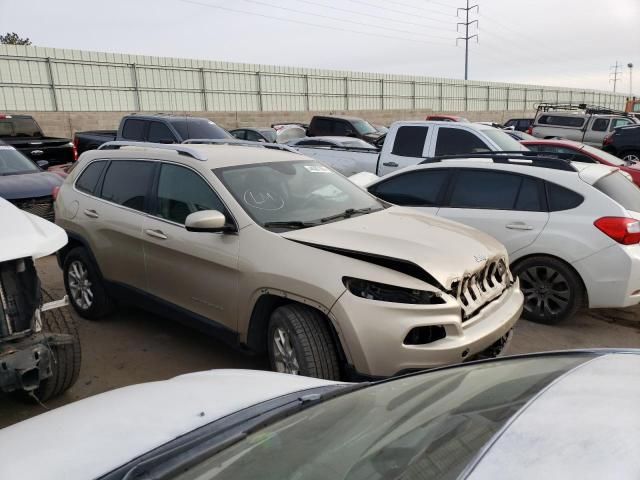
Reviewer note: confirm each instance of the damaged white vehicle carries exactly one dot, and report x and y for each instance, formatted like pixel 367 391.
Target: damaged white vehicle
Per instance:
pixel 39 347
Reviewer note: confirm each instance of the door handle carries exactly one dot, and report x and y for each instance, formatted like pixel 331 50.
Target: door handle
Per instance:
pixel 156 234
pixel 91 213
pixel 390 164
pixel 519 226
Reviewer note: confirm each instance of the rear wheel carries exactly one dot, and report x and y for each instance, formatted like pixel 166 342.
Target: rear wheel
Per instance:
pixel 300 343
pixel 552 290
pixel 66 359
pixel 631 156
pixel 84 286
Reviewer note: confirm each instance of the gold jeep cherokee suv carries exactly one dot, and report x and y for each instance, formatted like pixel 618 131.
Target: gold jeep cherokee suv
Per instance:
pixel 278 253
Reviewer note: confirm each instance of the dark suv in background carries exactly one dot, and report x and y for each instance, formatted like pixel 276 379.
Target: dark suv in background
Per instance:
pixel 334 126
pixel 519 124
pixel 624 142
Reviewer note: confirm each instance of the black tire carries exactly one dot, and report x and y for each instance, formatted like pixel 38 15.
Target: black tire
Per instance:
pixel 66 359
pixel 309 336
pixel 101 304
pixel 553 291
pixel 631 153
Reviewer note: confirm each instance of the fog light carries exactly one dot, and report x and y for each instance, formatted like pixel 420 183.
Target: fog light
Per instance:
pixel 424 335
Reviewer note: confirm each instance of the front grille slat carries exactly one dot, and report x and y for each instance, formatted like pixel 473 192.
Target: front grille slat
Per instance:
pixel 41 207
pixel 476 290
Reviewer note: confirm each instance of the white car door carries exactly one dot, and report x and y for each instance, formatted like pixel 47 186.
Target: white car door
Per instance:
pixel 507 206
pixel 410 146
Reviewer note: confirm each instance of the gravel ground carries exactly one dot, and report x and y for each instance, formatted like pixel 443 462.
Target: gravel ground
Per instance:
pixel 133 346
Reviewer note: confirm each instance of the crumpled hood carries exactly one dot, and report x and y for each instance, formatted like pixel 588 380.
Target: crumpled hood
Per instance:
pixel 29 185
pixel 25 235
pixel 446 250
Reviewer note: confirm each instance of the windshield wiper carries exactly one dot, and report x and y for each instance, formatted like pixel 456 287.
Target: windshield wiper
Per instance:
pixel 290 224
pixel 348 213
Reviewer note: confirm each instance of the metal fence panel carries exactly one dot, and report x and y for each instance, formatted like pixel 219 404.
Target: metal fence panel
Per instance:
pixel 47 79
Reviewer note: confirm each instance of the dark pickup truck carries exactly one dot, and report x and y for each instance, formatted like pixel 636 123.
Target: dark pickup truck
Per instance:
pixel 24 134
pixel 332 126
pixel 152 128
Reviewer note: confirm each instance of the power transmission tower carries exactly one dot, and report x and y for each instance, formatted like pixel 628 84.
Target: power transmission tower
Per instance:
pixel 613 76
pixel 466 37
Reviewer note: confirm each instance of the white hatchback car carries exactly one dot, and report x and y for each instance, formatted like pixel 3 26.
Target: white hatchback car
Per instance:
pixel 571 229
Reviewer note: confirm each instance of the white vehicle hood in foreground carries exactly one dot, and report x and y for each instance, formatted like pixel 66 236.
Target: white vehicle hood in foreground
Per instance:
pixel 446 250
pixel 25 235
pixel 92 437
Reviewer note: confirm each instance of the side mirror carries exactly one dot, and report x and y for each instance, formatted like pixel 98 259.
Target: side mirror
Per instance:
pixel 43 164
pixel 211 221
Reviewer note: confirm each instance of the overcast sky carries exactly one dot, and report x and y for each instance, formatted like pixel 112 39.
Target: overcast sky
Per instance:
pixel 552 42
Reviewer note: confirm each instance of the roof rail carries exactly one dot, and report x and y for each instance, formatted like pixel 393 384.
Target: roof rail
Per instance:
pixel 180 149
pixel 512 158
pixel 238 142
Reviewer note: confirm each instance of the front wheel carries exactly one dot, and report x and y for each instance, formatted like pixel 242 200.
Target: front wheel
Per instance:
pixel 300 343
pixel 66 358
pixel 552 290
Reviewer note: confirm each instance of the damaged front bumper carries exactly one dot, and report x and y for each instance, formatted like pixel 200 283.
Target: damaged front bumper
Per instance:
pixel 27 360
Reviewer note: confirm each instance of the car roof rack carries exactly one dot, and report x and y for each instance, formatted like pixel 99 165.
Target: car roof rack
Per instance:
pixel 180 149
pixel 519 157
pixel 588 109
pixel 238 142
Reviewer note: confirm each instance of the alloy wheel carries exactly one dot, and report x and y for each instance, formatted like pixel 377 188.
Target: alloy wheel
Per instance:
pixel 631 158
pixel 546 291
pixel 80 285
pixel 284 355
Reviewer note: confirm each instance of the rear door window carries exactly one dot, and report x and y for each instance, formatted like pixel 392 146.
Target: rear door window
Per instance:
pixel 485 189
pixel 454 141
pixel 616 186
pixel 89 177
pixel 600 125
pixel 561 198
pixel 417 188
pixel 133 129
pixel 322 127
pixel 410 141
pixel 127 183
pixel 160 133
pixel 341 129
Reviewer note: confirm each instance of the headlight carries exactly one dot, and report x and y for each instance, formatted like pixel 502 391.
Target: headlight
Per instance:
pixel 390 293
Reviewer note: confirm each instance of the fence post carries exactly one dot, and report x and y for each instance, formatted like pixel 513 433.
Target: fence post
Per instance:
pixel 488 98
pixel 259 87
pixel 508 91
pixel 306 92
pixel 52 84
pixel 204 90
pixel 413 95
pixel 441 96
pixel 466 97
pixel 346 93
pixel 136 89
pixel 526 99
pixel 382 94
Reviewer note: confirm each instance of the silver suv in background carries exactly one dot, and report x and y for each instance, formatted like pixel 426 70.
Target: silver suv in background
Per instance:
pixel 278 253
pixel 581 123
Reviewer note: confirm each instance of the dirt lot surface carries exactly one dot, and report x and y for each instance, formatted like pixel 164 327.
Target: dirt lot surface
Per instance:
pixel 133 346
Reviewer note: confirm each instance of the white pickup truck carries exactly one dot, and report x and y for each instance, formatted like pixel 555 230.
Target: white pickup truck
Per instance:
pixel 408 143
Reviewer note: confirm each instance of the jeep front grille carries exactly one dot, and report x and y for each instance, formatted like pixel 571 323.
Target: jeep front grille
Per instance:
pixel 478 289
pixel 41 206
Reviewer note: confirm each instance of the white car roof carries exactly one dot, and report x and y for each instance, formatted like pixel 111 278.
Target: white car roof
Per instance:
pixel 25 235
pixel 92 437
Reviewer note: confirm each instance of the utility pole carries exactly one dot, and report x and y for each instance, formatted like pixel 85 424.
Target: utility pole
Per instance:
pixel 630 65
pixel 614 74
pixel 466 37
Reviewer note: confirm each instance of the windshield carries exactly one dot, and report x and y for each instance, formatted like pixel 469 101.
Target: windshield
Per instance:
pixel 504 141
pixel 300 191
pixel 363 127
pixel 618 187
pixel 19 127
pixel 195 128
pixel 607 157
pixel 428 426
pixel 13 162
